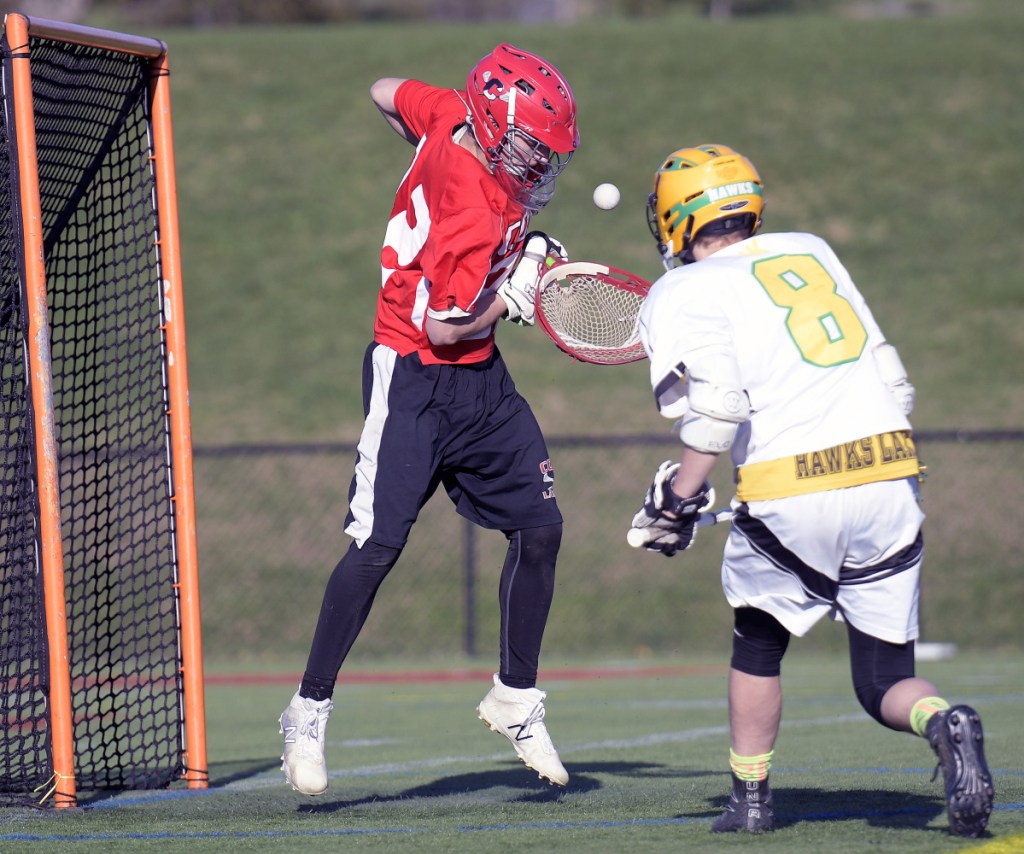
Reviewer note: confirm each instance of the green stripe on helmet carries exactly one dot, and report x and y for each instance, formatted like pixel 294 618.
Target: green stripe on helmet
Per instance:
pixel 680 211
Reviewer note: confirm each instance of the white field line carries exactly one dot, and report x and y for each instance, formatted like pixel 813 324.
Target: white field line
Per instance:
pixel 388 768
pixel 271 779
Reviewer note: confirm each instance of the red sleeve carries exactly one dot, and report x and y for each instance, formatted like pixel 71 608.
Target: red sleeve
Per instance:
pixel 457 260
pixel 416 102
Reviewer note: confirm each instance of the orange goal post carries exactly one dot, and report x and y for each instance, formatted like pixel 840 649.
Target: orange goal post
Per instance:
pixel 100 639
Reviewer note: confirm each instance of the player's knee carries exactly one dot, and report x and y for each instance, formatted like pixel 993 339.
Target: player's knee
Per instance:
pixel 876 666
pixel 759 642
pixel 367 564
pixel 541 543
pixel 532 553
pixel 870 697
pixel 374 554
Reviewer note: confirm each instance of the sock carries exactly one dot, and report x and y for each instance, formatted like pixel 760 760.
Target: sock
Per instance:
pixel 316 688
pixel 750 768
pixel 514 682
pixel 923 711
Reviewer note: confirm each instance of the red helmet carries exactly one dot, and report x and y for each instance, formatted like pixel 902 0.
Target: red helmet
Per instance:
pixel 523 116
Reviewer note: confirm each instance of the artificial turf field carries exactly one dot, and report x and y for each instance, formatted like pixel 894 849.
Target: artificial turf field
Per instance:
pixel 898 140
pixel 645 744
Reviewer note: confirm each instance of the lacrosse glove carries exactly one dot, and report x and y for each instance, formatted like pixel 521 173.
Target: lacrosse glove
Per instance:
pixel 519 290
pixel 668 522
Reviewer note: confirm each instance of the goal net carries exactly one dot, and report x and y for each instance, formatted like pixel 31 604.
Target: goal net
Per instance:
pixel 99 604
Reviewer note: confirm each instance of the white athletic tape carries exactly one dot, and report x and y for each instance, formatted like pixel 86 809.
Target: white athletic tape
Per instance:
pixel 639 537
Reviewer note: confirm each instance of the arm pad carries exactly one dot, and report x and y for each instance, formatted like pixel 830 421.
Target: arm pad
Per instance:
pixel 714 416
pixel 894 375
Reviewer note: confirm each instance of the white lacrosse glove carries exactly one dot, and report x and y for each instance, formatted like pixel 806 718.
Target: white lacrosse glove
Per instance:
pixel 667 523
pixel 519 290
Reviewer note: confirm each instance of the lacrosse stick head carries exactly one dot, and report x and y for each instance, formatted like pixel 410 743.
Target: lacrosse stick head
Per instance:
pixel 592 311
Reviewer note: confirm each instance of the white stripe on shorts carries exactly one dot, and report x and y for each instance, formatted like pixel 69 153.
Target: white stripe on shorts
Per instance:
pixel 361 506
pixel 857 528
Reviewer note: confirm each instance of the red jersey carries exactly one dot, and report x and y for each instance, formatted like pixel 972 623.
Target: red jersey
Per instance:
pixel 453 236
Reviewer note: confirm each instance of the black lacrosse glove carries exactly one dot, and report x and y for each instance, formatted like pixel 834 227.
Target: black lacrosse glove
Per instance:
pixel 667 522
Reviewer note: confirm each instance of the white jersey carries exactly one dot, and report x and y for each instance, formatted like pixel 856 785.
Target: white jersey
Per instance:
pixel 782 313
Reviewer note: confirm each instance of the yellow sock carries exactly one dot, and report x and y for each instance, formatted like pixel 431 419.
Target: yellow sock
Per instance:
pixel 750 768
pixel 923 711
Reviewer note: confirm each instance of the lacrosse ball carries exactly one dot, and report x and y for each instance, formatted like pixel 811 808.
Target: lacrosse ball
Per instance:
pixel 606 196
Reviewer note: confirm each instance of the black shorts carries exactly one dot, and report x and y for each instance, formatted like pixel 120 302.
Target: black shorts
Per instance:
pixel 463 426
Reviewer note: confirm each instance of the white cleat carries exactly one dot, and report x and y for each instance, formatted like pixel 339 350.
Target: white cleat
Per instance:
pixel 518 714
pixel 304 727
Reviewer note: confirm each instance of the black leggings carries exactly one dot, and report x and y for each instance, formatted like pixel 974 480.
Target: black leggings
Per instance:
pixel 525 592
pixel 876 665
pixel 760 641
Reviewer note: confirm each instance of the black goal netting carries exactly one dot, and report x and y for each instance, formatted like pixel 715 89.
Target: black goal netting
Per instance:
pixel 107 357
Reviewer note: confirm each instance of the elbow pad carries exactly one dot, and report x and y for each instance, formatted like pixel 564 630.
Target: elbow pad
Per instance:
pixel 894 375
pixel 714 416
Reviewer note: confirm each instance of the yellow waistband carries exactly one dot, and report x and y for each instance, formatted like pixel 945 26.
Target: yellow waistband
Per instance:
pixel 888 456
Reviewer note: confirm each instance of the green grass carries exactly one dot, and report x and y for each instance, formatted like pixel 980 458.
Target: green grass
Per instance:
pixel 897 139
pixel 413 770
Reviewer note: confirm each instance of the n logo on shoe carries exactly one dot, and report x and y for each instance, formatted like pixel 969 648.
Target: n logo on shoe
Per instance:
pixel 289 734
pixel 522 731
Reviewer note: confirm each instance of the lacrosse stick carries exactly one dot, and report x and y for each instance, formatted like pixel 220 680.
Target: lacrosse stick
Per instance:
pixel 591 311
pixel 639 537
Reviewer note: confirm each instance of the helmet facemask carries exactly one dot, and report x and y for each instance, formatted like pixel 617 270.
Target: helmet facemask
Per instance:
pixel 525 166
pixel 669 259
pixel 529 166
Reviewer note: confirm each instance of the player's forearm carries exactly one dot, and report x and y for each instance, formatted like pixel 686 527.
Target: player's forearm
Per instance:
pixel 694 468
pixel 450 330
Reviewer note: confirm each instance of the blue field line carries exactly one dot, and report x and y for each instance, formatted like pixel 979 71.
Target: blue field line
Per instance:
pixel 180 794
pixel 275 779
pixel 267 780
pixel 481 828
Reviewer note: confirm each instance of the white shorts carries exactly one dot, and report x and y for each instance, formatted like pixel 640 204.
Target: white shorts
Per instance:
pixel 852 554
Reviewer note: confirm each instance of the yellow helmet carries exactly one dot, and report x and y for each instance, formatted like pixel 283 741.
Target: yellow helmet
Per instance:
pixel 704 187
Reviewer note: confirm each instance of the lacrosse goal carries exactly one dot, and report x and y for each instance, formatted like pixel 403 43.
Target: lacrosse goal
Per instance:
pixel 100 648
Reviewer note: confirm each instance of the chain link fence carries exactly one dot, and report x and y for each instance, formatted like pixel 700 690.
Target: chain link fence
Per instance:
pixel 270 532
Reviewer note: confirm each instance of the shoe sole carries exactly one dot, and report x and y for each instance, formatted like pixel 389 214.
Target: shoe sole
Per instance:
pixel 754 830
pixel 744 825
pixel 494 728
pixel 288 780
pixel 970 798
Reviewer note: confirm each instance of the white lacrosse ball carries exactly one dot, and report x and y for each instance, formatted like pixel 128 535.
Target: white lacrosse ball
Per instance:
pixel 606 196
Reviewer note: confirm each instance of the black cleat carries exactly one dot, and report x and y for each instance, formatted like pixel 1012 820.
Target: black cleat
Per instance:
pixel 749 808
pixel 956 737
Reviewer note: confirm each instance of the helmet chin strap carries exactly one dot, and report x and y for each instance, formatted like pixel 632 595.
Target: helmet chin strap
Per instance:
pixel 671 262
pixel 685 256
pixel 485 154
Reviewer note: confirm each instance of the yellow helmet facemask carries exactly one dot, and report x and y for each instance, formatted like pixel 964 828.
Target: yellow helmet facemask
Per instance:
pixel 697 188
